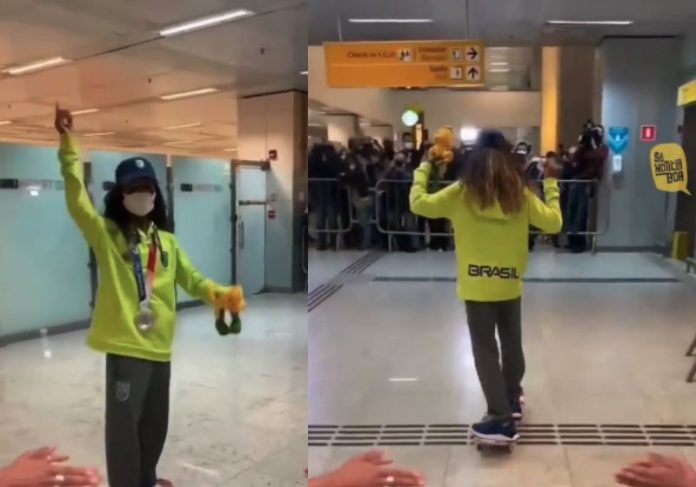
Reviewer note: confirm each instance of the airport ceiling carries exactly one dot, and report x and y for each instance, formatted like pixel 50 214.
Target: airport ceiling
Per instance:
pixel 122 66
pixel 497 22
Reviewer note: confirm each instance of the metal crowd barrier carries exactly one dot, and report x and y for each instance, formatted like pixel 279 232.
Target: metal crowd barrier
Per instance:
pixel 327 198
pixel 392 207
pixel 392 215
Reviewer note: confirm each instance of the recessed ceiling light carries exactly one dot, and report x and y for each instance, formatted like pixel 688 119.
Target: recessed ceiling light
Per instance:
pixel 391 21
pixel 204 22
pixel 86 111
pixel 98 134
pixel 36 66
pixel 183 126
pixel 304 73
pixel 403 379
pixel 590 22
pixel 499 70
pixel 499 64
pixel 188 94
pixel 5 122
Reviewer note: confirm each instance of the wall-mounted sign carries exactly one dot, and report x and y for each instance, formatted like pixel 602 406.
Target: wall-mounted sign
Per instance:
pixel 648 133
pixel 618 139
pixel 200 188
pixel 669 169
pixel 404 64
pixel 687 94
pixel 33 184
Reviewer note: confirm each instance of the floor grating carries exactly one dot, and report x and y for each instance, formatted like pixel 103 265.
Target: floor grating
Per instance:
pixel 635 435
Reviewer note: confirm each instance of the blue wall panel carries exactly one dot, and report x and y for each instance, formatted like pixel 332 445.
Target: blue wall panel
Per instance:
pixel 44 278
pixel 202 216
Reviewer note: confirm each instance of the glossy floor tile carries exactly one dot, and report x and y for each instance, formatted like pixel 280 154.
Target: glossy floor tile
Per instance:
pixel 239 404
pixel 606 347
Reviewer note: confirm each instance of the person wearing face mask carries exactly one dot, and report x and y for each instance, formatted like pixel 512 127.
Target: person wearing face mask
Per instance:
pixel 140 263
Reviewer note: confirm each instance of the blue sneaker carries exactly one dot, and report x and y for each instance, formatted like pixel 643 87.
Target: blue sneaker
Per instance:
pixel 496 429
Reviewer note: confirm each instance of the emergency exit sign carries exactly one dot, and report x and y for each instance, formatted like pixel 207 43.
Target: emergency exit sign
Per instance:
pixel 648 133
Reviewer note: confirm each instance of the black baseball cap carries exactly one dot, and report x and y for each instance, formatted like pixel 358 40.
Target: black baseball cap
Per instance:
pixel 135 169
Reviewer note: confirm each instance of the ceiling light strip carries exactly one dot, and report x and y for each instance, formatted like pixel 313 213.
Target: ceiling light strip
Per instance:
pixel 391 21
pixel 590 22
pixel 188 94
pixel 36 66
pixel 205 22
pixel 98 134
pixel 182 126
pixel 86 111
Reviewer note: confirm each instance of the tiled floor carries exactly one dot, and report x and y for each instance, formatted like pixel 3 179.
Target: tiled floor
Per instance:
pixel 388 353
pixel 238 404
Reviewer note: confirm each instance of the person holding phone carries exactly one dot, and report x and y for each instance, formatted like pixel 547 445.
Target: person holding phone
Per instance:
pixel 140 263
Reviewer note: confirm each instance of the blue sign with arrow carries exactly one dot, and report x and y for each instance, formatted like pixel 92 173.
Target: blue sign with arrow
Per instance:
pixel 618 139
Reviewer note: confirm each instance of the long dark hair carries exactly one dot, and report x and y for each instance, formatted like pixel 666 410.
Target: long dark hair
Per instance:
pixel 117 213
pixel 492 174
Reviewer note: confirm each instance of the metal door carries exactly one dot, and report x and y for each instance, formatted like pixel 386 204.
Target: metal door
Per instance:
pixel 250 190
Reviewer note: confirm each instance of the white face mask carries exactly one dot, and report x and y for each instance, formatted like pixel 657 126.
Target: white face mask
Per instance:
pixel 408 145
pixel 139 204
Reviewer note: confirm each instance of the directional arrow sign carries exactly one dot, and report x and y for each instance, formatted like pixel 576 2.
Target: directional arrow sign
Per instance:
pixel 472 53
pixel 473 74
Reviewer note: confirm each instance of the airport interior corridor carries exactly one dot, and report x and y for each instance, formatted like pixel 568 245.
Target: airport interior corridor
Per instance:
pixel 238 404
pixel 605 336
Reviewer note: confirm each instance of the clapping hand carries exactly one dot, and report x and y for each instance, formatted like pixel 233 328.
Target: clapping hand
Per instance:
pixel 658 471
pixel 42 467
pixel 372 470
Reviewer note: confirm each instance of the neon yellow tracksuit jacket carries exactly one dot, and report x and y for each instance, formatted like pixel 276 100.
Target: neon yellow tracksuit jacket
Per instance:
pixel 491 247
pixel 113 328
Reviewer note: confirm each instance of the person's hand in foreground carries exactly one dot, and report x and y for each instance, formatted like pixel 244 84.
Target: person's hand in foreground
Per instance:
pixel 658 471
pixel 42 468
pixel 369 470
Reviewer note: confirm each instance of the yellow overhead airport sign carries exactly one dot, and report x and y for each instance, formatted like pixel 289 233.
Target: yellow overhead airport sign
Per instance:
pixel 404 64
pixel 687 94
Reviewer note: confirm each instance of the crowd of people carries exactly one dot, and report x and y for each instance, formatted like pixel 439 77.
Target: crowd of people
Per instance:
pixel 359 193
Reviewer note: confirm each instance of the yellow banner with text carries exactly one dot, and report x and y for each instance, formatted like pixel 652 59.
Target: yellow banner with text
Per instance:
pixel 404 64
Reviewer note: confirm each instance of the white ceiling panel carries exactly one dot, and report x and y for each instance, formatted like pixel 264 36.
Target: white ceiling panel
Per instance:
pixel 497 22
pixel 122 67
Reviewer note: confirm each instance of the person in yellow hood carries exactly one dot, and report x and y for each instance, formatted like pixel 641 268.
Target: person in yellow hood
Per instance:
pixel 491 210
pixel 140 263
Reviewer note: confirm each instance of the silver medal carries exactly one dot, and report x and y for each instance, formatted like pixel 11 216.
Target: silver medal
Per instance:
pixel 145 319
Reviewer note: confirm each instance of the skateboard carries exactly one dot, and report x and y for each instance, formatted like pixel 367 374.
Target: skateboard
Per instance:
pixel 484 445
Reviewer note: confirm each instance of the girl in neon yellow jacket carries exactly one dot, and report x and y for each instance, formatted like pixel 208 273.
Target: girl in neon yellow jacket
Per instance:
pixel 140 263
pixel 491 210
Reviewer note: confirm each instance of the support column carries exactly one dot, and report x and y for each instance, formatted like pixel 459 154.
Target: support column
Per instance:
pixel 279 122
pixel 342 127
pixel 550 80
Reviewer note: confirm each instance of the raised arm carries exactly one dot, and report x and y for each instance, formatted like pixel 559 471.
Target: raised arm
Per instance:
pixel 546 216
pixel 436 205
pixel 80 207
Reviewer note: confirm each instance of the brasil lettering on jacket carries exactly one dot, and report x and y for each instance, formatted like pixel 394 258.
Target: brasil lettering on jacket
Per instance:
pixel 492 271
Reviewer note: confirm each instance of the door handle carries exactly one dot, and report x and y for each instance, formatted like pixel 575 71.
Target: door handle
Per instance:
pixel 241 235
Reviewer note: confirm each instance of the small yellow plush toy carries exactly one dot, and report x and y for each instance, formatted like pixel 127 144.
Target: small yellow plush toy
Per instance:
pixel 441 154
pixel 231 300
